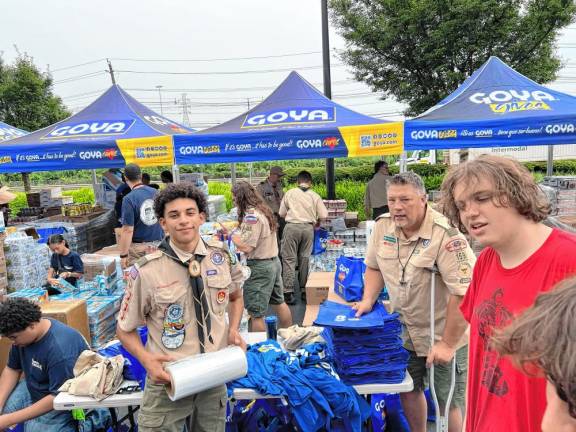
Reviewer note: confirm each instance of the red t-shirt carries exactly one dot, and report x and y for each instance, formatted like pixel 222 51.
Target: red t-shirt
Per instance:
pixel 500 396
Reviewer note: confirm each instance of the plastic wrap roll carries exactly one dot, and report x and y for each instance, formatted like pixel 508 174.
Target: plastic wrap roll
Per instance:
pixel 201 372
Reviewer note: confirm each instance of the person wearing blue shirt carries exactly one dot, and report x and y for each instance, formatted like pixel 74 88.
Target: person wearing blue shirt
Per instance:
pixel 46 351
pixel 141 232
pixel 64 263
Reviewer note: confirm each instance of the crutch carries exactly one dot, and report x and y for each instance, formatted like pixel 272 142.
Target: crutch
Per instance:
pixel 441 421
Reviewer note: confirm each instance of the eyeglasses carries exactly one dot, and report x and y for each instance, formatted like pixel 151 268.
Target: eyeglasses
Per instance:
pixel 129 389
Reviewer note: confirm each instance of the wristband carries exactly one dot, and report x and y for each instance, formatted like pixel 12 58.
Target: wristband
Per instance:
pixel 123 255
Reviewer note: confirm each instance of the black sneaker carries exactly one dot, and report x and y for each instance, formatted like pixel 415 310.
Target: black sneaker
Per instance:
pixel 289 298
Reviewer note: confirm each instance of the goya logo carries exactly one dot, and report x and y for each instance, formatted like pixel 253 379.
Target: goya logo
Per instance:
pixel 290 116
pixel 7 133
pixel 503 108
pixel 433 134
pixel 198 150
pixel 330 142
pixel 505 101
pixel 562 128
pixel 110 153
pixel 96 128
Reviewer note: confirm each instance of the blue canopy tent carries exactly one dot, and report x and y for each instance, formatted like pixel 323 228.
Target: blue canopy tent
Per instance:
pixel 8 132
pixel 295 122
pixel 114 130
pixel 495 107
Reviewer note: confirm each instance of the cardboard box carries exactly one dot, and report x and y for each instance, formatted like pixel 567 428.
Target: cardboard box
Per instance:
pixel 95 264
pixel 310 315
pixel 73 313
pixel 318 286
pixel 5 345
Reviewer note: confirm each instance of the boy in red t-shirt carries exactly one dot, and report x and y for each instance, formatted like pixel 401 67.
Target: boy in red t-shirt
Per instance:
pixel 542 342
pixel 497 202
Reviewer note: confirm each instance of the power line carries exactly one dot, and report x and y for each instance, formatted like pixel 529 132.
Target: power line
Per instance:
pixel 78 65
pixel 216 59
pixel 79 77
pixel 243 72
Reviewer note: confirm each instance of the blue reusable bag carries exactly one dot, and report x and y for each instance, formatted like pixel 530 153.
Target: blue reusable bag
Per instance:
pixel 320 237
pixel 349 278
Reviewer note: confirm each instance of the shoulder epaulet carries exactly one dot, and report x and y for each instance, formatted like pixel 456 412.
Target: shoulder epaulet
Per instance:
pixel 216 244
pixel 147 258
pixel 442 221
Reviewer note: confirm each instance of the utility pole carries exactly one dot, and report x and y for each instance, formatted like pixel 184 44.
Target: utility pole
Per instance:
pixel 330 180
pixel 159 87
pixel 185 117
pixel 111 71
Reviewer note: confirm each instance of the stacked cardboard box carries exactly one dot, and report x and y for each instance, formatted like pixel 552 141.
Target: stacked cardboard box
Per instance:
pixel 50 197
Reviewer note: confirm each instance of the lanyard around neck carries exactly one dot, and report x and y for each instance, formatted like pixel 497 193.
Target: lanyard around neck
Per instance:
pixel 403 266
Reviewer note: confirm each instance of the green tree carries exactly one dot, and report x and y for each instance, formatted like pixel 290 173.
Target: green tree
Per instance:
pixel 26 98
pixel 419 51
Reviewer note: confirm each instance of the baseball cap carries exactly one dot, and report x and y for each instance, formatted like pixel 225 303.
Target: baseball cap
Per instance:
pixel 277 170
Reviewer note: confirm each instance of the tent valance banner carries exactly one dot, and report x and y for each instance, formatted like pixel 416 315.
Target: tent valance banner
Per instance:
pixel 295 122
pixel 111 132
pixel 495 107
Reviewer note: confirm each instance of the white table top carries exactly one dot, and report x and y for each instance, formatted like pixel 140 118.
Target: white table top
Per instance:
pixel 65 401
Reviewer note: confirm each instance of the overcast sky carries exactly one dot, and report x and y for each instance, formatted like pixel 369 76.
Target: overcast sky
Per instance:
pixel 286 34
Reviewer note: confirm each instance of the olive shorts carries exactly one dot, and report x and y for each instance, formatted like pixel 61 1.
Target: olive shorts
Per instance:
pixel 207 410
pixel 264 286
pixel 442 376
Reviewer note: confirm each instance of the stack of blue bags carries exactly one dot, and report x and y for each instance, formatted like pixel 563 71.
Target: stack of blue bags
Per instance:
pixel 365 350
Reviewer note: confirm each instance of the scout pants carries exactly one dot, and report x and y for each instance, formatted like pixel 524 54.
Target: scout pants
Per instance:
pixel 159 414
pixel 297 244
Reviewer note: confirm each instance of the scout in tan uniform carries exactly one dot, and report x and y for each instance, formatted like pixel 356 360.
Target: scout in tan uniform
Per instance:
pixel 181 292
pixel 257 239
pixel 375 199
pixel 404 246
pixel 272 192
pixel 303 209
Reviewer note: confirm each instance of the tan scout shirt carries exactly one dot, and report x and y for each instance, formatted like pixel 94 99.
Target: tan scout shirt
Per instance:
pixel 302 207
pixel 255 232
pixel 157 281
pixel 436 242
pixel 376 192
pixel 272 194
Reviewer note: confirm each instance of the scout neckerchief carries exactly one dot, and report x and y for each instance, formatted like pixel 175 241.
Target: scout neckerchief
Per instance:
pixel 200 302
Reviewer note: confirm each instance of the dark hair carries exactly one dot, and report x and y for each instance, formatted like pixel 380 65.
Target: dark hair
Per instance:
pixel 132 172
pixel 179 190
pixel 145 178
pixel 542 339
pixel 246 197
pixel 304 177
pixel 166 177
pixel 513 185
pixel 379 165
pixel 57 239
pixel 16 314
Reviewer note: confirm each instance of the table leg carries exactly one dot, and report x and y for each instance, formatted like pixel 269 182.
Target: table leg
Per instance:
pixel 114 419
